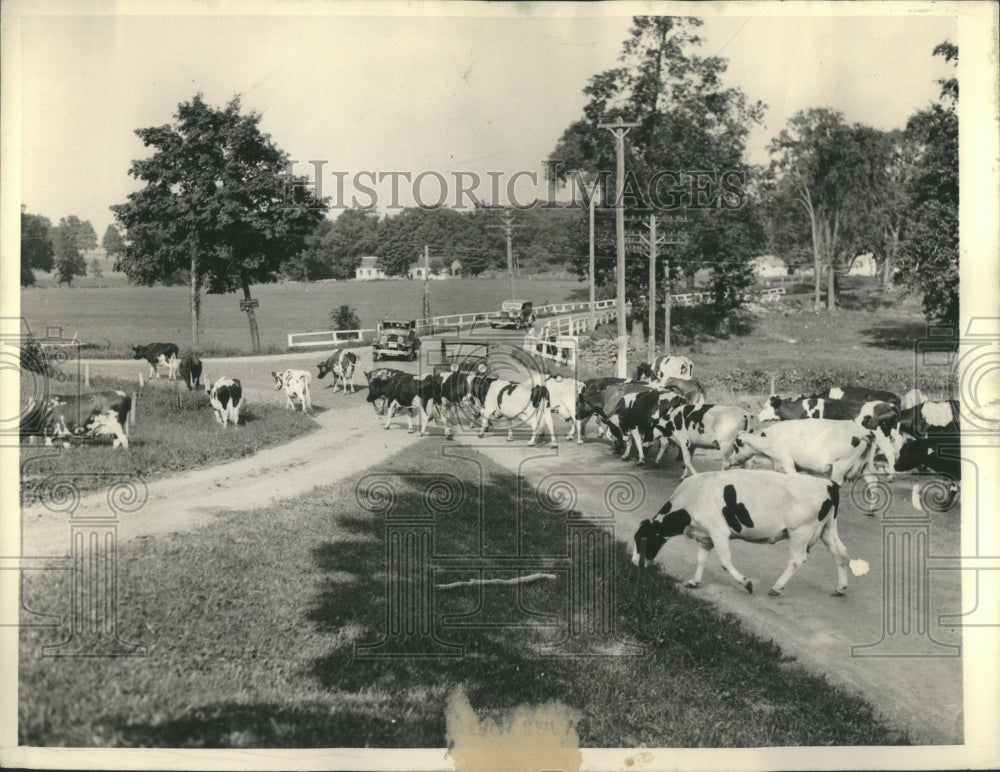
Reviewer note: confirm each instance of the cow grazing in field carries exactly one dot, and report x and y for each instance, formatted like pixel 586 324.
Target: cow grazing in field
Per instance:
pixel 664 367
pixel 226 398
pixel 526 402
pixel 819 446
pixel 703 426
pixel 79 416
pixel 858 394
pixel 158 354
pixel 409 393
pixel 378 383
pixel 296 386
pixel 341 365
pixel 756 506
pixel 190 370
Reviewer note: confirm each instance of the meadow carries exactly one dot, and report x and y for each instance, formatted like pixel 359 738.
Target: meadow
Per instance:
pixel 111 319
pixel 251 625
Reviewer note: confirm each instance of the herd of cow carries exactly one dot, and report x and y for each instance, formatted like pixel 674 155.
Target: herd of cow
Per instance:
pixel 838 434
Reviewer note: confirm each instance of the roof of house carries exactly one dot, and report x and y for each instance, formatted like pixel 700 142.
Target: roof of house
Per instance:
pixel 769 260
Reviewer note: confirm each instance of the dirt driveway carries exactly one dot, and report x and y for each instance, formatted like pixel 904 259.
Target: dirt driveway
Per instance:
pixel 923 695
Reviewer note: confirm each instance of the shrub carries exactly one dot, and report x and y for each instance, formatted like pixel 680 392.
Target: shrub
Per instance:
pixel 345 318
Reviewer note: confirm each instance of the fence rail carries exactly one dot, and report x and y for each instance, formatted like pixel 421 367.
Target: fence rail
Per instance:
pixel 566 322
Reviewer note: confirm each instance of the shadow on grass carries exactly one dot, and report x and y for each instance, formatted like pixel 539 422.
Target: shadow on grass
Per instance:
pixel 903 336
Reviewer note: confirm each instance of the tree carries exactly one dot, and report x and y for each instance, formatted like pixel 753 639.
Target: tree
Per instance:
pixel 112 242
pixel 688 120
pixel 345 318
pixel 37 251
pixel 65 242
pixel 929 252
pixel 218 203
pixel 834 173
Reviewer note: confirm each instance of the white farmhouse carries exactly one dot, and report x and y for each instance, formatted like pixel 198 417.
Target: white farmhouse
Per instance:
pixel 769 266
pixel 368 270
pixel 864 265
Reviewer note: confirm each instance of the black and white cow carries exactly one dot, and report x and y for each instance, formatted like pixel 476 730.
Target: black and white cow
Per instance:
pixel 495 398
pixel 858 394
pixel 79 416
pixel 664 367
pixel 703 426
pixel 378 383
pixel 636 420
pixel 600 396
pixel 158 354
pixel 296 386
pixel 912 398
pixel 409 393
pixel 226 398
pixel 756 506
pixel 820 446
pixel 565 398
pixel 931 438
pixel 190 370
pixel 877 415
pixel 341 365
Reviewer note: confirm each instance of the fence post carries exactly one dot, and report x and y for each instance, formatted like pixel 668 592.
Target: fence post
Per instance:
pixel 135 407
pixel 140 380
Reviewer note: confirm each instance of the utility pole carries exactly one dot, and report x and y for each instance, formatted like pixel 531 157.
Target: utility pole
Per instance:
pixel 593 312
pixel 652 242
pixel 427 284
pixel 675 239
pixel 620 129
pixel 508 229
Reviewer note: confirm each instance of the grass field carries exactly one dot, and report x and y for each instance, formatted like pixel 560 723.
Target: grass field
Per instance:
pixel 251 625
pixel 114 318
pixel 167 438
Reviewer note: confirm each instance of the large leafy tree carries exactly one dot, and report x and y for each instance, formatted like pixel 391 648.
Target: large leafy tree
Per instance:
pixel 112 242
pixel 929 252
pixel 37 252
pixel 688 121
pixel 832 174
pixel 68 238
pixel 218 204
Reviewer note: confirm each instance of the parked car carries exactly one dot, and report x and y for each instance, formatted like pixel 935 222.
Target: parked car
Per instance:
pixel 396 338
pixel 515 313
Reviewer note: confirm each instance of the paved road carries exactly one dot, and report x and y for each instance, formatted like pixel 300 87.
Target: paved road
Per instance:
pixel 923 695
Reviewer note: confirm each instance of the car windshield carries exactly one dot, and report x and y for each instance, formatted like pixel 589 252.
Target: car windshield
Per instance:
pixel 512 305
pixel 396 325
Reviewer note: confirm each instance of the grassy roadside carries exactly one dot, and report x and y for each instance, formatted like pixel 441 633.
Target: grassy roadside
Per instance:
pixel 251 624
pixel 167 438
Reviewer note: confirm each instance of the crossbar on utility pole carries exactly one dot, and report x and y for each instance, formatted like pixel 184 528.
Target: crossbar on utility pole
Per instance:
pixel 619 128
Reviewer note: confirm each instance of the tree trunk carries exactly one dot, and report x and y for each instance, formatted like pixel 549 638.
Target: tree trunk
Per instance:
pixel 251 317
pixel 195 297
pixel 890 259
pixel 831 292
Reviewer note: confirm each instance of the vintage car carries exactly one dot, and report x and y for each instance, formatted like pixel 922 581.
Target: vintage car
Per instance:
pixel 396 338
pixel 515 313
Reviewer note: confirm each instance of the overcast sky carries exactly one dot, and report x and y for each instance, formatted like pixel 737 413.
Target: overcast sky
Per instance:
pixel 398 93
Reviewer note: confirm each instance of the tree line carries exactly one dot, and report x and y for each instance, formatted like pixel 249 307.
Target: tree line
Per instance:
pixel 220 212
pixel 47 247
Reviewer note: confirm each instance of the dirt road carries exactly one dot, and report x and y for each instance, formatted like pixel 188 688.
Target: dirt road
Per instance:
pixel 923 695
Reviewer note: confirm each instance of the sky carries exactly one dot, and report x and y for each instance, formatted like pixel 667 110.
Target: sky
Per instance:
pixel 418 93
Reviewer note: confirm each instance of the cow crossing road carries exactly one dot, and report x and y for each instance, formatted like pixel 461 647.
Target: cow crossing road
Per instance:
pixel 808 624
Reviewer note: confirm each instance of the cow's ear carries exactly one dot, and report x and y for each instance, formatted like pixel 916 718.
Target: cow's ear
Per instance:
pixel 867 421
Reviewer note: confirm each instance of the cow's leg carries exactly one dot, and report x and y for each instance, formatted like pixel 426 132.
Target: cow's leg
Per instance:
pixel 685 445
pixel 391 411
pixel 726 558
pixel 546 415
pixel 798 543
pixel 787 464
pixel 831 538
pixel 510 430
pixel 306 401
pixel 699 572
pixel 637 439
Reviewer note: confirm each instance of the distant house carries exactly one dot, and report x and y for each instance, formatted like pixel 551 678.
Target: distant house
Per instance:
pixel 769 266
pixel 864 265
pixel 456 267
pixel 368 270
pixel 417 272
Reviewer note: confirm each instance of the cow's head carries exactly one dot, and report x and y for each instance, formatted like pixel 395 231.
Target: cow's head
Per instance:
pixel 770 410
pixel 324 368
pixel 279 379
pixel 912 454
pixel 653 534
pixel 138 352
pixel 644 372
